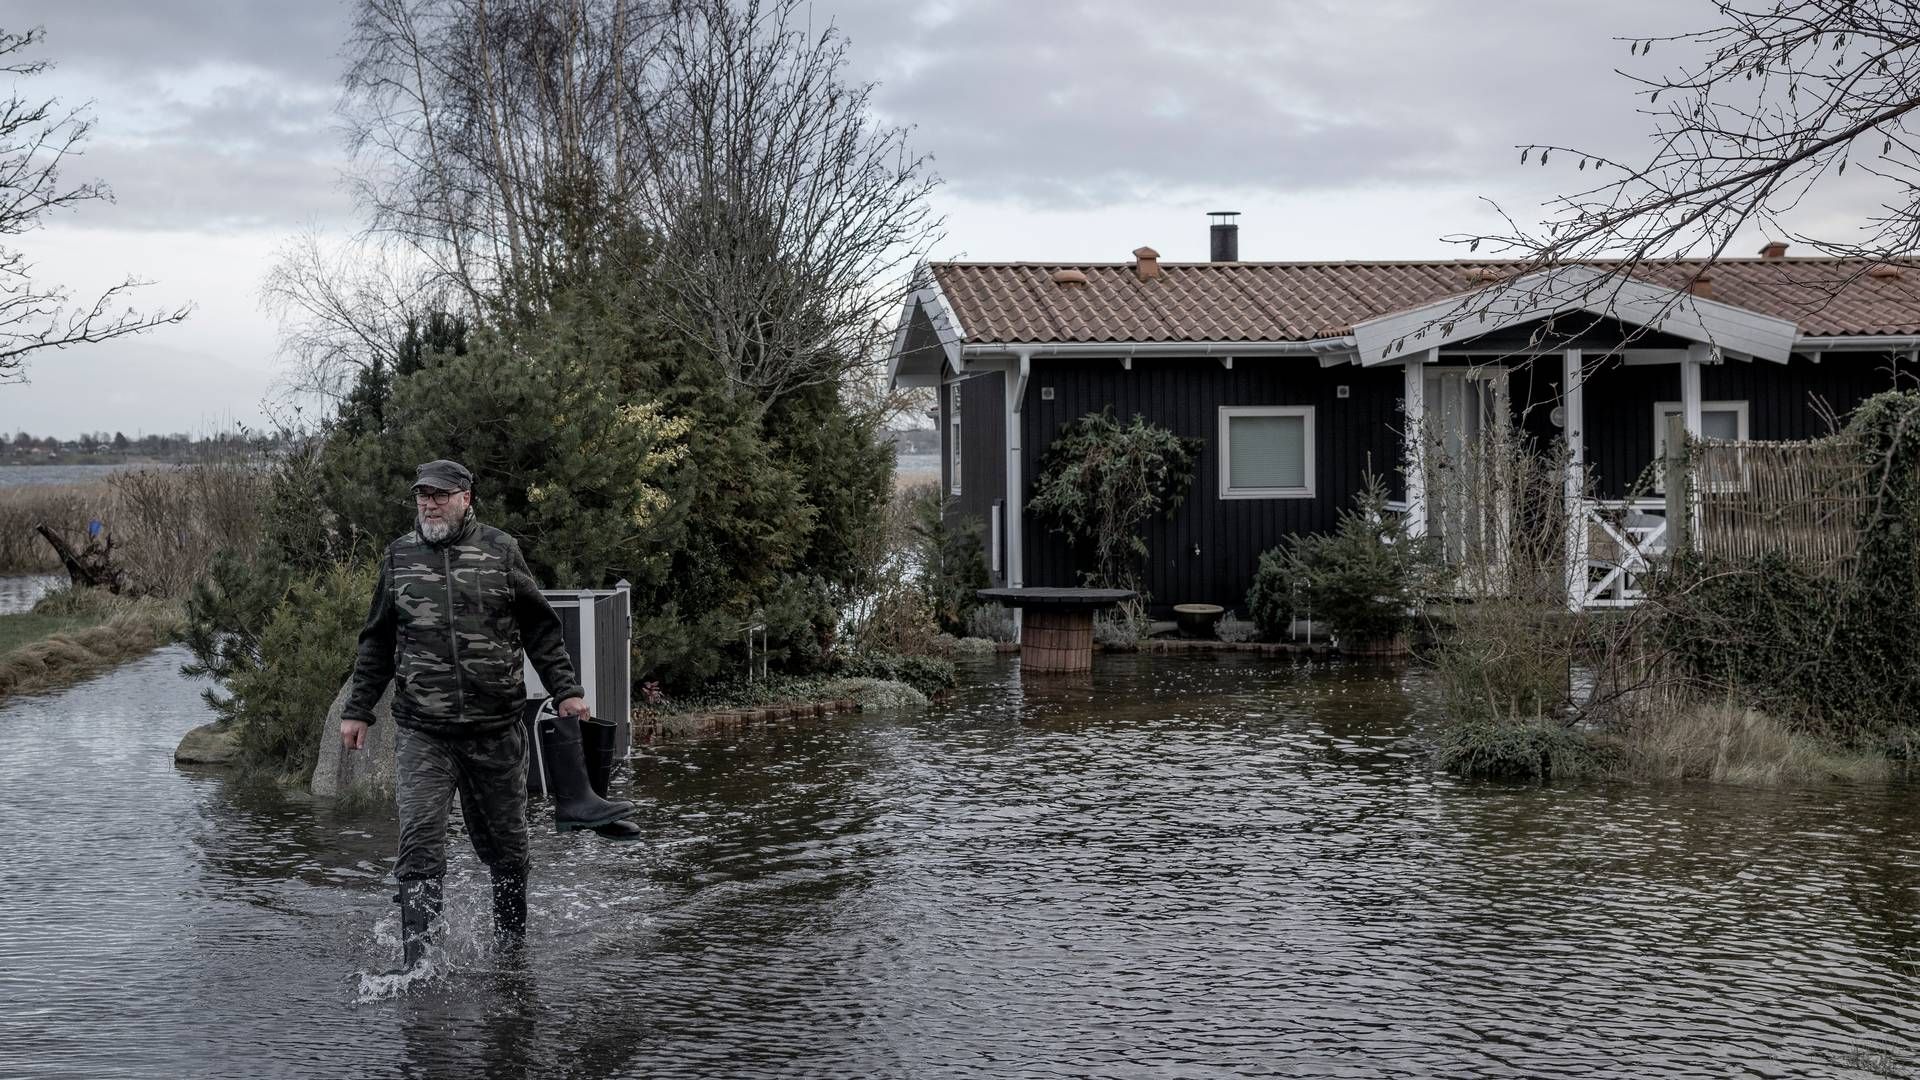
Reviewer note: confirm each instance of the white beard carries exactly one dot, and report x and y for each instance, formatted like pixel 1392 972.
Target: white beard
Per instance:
pixel 433 532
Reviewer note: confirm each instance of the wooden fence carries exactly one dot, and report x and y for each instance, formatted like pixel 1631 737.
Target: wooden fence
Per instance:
pixel 1803 500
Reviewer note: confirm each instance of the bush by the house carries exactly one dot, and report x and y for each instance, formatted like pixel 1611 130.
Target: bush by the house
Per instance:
pixel 951 560
pixel 310 639
pixel 1367 578
pixel 1234 630
pixel 992 622
pixel 1827 650
pixel 1509 748
pixel 927 674
pixel 1100 481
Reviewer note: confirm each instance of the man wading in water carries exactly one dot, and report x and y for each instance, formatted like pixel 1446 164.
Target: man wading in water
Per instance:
pixel 454 603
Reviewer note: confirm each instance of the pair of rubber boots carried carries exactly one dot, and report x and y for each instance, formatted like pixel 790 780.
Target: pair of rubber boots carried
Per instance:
pixel 575 761
pixel 575 758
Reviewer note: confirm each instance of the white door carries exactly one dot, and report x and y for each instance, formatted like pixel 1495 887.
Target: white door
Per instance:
pixel 1467 492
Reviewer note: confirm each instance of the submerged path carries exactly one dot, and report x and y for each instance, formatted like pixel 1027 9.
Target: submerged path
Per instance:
pixel 1185 866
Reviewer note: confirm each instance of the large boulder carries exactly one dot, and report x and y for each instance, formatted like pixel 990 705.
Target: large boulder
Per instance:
pixel 367 771
pixel 208 744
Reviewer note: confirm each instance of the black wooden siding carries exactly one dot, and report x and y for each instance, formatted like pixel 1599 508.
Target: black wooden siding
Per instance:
pixel 983 457
pixel 1351 435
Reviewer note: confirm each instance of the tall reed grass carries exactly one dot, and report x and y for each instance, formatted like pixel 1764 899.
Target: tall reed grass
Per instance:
pixel 166 522
pixel 64 508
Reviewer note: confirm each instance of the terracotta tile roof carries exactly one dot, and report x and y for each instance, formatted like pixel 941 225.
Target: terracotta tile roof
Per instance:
pixel 1009 302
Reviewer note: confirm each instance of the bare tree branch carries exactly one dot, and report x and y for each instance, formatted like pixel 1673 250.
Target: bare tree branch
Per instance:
pixel 35 139
pixel 1778 98
pixel 790 221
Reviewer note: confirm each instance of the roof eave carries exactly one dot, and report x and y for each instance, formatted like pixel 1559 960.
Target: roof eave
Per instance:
pixel 1310 347
pixel 916 370
pixel 1396 336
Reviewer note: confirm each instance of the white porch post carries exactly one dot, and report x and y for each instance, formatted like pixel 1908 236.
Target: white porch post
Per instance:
pixel 1016 392
pixel 1416 435
pixel 1573 394
pixel 1690 386
pixel 1697 354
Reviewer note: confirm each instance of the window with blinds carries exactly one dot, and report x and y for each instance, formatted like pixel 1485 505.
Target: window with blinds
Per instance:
pixel 1266 452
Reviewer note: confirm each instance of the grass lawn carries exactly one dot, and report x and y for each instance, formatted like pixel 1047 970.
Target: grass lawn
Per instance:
pixel 26 627
pixel 77 635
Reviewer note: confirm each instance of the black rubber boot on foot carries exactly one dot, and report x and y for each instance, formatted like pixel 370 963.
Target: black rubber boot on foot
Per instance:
pixel 509 904
pixel 622 831
pixel 575 806
pixel 419 910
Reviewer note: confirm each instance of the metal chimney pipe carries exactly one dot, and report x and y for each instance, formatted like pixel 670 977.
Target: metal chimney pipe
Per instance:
pixel 1225 235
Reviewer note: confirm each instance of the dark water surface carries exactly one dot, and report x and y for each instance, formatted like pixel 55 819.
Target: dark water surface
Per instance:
pixel 1188 867
pixel 19 592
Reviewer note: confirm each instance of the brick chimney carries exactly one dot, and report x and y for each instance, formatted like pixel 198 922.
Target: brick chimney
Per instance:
pixel 1146 263
pixel 1702 287
pixel 1775 249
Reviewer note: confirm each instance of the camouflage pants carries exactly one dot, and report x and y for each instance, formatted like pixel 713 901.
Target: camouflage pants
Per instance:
pixel 489 772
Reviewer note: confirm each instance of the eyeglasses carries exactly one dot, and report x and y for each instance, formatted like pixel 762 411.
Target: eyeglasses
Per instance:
pixel 437 498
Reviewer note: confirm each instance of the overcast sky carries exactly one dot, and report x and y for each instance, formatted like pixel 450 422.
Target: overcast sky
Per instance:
pixel 1064 130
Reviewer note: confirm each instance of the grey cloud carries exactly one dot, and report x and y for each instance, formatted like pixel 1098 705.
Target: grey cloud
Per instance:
pixel 1082 103
pixel 181 143
pixel 297 39
pixel 1048 103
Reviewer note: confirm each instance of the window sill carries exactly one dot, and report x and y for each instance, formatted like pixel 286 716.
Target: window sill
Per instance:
pixel 1268 493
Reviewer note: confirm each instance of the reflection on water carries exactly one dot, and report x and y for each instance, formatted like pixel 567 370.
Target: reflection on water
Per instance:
pixel 1178 866
pixel 21 591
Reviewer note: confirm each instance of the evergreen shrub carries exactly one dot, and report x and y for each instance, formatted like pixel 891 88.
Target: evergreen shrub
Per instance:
pixel 1367 579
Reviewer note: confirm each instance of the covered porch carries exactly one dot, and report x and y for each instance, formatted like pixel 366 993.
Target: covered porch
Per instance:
pixel 1591 376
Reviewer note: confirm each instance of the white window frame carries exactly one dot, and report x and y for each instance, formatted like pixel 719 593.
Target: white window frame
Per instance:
pixel 1660 411
pixel 1662 408
pixel 1227 490
pixel 953 437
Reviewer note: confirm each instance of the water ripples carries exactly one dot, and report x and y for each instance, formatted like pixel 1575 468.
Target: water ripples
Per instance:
pixel 1182 866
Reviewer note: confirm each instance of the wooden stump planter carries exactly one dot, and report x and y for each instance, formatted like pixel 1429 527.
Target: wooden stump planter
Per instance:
pixel 1057 641
pixel 1057 628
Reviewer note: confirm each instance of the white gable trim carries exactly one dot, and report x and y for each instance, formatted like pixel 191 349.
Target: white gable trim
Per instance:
pixel 1393 337
pixel 946 327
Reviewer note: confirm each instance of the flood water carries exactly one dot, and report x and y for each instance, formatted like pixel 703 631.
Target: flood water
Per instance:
pixel 1188 866
pixel 19 592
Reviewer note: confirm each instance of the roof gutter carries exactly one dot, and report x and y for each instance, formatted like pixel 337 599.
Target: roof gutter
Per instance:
pixel 1110 349
pixel 1843 342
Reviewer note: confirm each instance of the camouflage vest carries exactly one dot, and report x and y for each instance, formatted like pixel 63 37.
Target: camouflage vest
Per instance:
pixel 457 651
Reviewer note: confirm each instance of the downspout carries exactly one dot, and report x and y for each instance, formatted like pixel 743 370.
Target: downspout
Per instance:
pixel 1016 394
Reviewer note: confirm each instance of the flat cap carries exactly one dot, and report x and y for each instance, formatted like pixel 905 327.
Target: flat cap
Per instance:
pixel 445 475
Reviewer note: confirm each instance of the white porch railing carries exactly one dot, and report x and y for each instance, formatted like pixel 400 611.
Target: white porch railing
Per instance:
pixel 1626 536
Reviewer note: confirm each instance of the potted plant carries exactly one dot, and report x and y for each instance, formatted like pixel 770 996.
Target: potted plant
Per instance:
pixel 1196 620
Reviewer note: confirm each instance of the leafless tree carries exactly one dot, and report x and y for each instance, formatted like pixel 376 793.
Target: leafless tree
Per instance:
pixel 36 138
pixel 789 221
pixel 495 136
pixel 713 148
pixel 344 308
pixel 1779 98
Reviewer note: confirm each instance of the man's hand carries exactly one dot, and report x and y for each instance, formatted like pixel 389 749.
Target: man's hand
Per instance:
pixel 353 734
pixel 575 707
